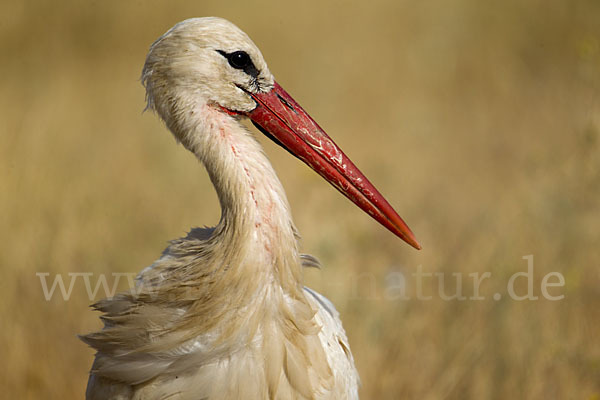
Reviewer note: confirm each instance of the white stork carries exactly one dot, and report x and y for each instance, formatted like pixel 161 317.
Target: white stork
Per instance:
pixel 223 313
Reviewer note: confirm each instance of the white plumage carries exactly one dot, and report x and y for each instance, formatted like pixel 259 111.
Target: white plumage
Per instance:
pixel 223 313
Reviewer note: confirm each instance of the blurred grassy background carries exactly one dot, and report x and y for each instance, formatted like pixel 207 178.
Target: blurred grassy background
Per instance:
pixel 479 120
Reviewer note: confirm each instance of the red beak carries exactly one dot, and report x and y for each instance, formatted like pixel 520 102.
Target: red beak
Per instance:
pixel 282 119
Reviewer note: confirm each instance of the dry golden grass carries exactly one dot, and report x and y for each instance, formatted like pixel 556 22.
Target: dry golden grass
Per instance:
pixel 479 120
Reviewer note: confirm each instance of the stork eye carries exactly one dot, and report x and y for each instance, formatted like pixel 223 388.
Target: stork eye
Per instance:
pixel 239 59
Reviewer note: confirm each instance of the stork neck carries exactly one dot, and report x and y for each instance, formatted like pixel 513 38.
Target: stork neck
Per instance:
pixel 255 213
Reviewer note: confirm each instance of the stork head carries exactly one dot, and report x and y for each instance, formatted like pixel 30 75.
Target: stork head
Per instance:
pixel 211 61
pixel 204 60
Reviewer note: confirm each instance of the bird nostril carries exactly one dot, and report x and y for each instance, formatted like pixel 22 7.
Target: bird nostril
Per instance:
pixel 287 104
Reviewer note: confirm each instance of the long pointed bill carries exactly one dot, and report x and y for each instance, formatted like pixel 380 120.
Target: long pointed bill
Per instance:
pixel 279 116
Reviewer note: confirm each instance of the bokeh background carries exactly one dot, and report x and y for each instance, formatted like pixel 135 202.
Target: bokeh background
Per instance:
pixel 479 120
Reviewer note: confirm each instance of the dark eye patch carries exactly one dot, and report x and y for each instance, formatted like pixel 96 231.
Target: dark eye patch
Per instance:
pixel 241 60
